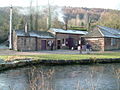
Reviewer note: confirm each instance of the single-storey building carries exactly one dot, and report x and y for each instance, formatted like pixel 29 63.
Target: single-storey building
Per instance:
pixel 67 38
pixel 32 40
pixel 25 40
pixel 103 38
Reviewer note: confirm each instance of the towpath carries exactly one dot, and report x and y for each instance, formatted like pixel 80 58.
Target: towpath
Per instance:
pixel 12 52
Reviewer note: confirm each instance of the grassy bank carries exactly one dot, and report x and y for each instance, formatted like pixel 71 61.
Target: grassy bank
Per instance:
pixel 57 59
pixel 63 56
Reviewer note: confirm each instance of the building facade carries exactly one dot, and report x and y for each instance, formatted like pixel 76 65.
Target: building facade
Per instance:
pixel 67 39
pixel 32 40
pixel 24 40
pixel 103 38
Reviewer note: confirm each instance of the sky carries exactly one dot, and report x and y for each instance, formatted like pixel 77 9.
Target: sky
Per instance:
pixel 108 4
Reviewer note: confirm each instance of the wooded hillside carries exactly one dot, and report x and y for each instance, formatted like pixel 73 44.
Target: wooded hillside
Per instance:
pixel 92 16
pixel 57 17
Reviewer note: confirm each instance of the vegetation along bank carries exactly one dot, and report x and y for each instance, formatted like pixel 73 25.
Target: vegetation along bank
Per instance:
pixel 8 62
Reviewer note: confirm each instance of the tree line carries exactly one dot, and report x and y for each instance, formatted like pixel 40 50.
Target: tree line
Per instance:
pixel 45 17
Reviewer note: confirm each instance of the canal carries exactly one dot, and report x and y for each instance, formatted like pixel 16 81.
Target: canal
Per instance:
pixel 67 77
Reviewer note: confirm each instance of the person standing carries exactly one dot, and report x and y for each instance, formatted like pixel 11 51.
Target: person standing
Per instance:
pixel 52 45
pixel 80 48
pixel 88 48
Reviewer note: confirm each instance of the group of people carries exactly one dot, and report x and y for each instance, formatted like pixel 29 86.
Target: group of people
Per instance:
pixel 51 45
pixel 88 48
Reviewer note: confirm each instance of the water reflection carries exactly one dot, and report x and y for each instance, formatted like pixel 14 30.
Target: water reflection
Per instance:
pixel 74 77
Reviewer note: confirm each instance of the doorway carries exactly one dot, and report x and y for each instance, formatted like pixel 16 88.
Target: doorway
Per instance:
pixel 58 44
pixel 43 44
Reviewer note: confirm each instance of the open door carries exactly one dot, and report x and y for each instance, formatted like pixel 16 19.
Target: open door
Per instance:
pixel 58 44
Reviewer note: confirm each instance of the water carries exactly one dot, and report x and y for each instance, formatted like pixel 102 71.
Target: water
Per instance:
pixel 71 77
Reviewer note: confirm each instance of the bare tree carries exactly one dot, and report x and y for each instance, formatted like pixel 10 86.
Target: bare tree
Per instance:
pixel 49 15
pixel 31 16
pixel 36 16
pixel 88 21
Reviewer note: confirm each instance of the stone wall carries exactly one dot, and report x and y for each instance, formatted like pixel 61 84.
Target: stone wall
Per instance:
pixel 112 45
pixel 103 44
pixel 47 46
pixel 32 43
pixel 118 45
pixel 96 43
pixel 26 43
pixel 14 41
pixel 60 36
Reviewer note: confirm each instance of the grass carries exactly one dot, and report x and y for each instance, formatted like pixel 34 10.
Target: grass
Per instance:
pixel 63 56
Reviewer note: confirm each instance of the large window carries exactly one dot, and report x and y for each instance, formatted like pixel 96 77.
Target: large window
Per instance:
pixel 113 41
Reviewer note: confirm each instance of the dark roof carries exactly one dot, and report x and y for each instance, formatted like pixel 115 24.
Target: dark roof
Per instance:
pixel 102 31
pixel 68 31
pixel 34 33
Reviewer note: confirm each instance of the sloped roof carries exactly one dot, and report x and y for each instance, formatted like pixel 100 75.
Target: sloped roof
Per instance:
pixel 109 32
pixel 40 34
pixel 94 33
pixel 102 31
pixel 68 31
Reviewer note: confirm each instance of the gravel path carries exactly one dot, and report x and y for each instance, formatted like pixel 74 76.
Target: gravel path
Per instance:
pixel 12 52
pixel 5 51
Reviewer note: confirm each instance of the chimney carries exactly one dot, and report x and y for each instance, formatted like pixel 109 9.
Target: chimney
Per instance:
pixel 26 28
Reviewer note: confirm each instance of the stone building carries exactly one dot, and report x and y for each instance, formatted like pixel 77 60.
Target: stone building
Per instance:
pixel 103 38
pixel 32 40
pixel 24 40
pixel 67 39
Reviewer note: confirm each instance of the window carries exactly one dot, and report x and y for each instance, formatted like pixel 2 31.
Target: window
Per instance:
pixel 113 41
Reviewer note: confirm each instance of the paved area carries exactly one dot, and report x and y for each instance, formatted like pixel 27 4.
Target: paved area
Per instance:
pixel 12 52
pixel 5 51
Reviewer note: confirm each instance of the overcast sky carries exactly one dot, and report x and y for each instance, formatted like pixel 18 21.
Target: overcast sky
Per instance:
pixel 111 4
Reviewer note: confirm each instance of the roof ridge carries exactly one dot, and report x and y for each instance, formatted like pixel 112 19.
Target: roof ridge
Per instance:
pixel 107 30
pixel 101 32
pixel 103 27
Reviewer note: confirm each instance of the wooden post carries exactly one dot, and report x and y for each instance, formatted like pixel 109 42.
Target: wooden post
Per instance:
pixel 80 46
pixel 10 29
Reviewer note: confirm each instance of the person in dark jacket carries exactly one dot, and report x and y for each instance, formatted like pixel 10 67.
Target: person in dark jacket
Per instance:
pixel 88 48
pixel 52 45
